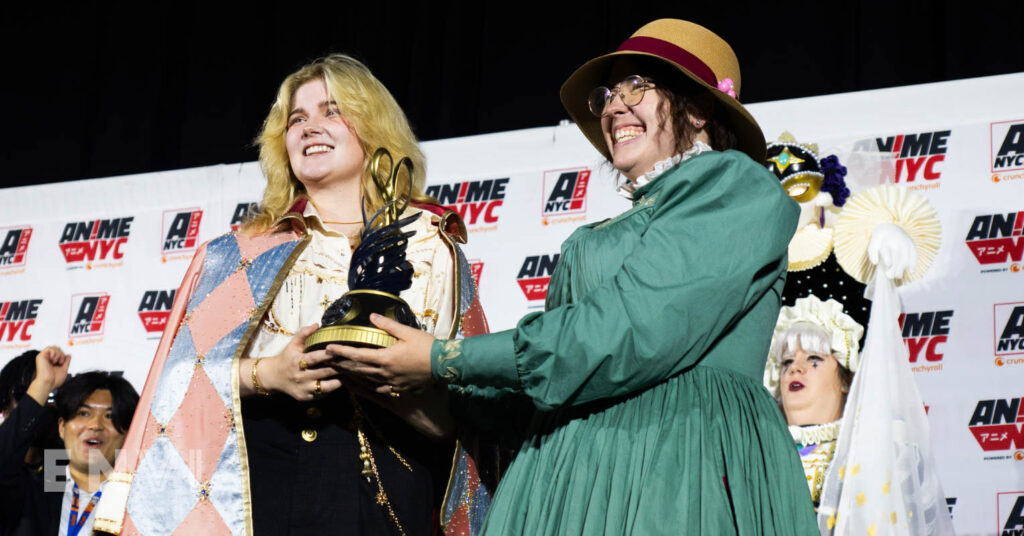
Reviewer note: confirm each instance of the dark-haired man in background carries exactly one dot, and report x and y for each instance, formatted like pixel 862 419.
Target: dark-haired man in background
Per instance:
pixel 15 378
pixel 93 411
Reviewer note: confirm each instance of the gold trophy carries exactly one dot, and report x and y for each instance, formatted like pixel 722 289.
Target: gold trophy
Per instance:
pixel 379 270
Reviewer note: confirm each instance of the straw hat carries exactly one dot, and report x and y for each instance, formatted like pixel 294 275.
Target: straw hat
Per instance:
pixel 692 49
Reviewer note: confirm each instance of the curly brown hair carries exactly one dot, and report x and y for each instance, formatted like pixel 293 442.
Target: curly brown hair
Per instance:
pixel 697 103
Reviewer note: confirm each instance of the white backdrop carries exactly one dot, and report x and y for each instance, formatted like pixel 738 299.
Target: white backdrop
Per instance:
pixel 91 265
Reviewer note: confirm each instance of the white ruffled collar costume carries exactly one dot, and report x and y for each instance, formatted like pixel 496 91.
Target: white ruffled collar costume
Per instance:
pixel 817 444
pixel 817 447
pixel 815 433
pixel 626 187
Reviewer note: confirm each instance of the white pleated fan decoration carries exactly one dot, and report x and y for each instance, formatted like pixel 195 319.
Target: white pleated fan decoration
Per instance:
pixel 886 203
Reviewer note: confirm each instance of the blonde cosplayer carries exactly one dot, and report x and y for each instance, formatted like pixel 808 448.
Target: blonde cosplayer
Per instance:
pixel 366 106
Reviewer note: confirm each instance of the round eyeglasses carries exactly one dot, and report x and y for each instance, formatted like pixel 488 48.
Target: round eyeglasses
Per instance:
pixel 630 90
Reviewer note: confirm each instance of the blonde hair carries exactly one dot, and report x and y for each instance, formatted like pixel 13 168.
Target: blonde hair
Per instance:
pixel 369 110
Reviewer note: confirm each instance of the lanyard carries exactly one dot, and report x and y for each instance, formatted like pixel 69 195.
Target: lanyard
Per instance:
pixel 75 524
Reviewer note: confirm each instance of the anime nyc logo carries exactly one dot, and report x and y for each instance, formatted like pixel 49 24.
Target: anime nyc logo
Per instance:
pixel 535 275
pixel 1008 333
pixel 84 242
pixel 88 314
pixel 476 268
pixel 1006 140
pixel 477 202
pixel 155 309
pixel 241 213
pixel 1010 513
pixel 918 156
pixel 923 334
pixel 180 232
pixel 996 239
pixel 996 426
pixel 13 246
pixel 565 194
pixel 16 321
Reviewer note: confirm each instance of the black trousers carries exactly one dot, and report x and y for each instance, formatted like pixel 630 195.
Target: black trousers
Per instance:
pixel 305 472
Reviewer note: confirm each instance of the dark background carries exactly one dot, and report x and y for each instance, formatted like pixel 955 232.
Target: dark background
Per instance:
pixel 91 89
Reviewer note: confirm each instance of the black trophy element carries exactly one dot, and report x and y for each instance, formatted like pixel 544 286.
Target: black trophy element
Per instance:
pixel 379 271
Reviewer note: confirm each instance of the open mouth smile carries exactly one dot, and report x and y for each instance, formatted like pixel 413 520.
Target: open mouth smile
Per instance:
pixel 316 149
pixel 626 133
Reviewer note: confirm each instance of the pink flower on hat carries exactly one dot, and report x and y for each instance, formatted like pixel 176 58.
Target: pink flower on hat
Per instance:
pixel 725 86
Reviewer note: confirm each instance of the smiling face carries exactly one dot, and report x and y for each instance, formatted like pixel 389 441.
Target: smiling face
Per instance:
pixel 90 437
pixel 322 149
pixel 638 136
pixel 811 389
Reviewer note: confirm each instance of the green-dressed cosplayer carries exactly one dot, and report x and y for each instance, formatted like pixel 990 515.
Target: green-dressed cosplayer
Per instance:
pixel 644 371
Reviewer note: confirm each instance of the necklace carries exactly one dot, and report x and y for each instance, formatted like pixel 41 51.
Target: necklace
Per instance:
pixel 344 222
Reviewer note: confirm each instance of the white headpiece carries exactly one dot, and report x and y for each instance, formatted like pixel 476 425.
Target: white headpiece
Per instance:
pixel 844 334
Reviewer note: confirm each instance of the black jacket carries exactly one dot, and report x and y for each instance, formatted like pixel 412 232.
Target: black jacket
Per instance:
pixel 25 509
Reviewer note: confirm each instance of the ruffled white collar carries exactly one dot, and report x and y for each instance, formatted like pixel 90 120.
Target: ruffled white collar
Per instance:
pixel 815 434
pixel 626 187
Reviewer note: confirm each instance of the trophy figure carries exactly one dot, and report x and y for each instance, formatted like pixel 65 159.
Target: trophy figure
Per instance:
pixel 379 270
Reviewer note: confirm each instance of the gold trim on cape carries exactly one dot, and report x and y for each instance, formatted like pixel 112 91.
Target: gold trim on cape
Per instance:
pixel 243 347
pixel 451 481
pixel 118 484
pixel 457 271
pixel 456 323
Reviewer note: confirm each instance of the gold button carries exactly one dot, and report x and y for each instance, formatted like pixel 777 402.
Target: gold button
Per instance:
pixel 309 435
pixel 313 413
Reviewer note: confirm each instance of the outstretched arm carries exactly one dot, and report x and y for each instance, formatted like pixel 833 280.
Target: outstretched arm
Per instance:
pixel 715 243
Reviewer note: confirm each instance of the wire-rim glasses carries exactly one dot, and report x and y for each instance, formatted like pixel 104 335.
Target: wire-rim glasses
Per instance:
pixel 631 90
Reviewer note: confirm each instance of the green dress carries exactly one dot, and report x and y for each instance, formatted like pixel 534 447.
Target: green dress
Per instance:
pixel 645 369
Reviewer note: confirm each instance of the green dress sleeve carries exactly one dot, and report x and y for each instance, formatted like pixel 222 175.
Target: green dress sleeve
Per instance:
pixel 715 243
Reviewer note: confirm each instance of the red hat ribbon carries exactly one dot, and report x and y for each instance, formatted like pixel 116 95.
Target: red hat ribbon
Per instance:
pixel 673 53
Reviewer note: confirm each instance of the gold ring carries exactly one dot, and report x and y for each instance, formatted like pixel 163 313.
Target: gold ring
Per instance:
pixel 302 364
pixel 392 393
pixel 317 391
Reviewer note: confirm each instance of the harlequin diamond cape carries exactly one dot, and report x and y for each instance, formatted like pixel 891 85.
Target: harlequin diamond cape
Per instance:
pixel 183 468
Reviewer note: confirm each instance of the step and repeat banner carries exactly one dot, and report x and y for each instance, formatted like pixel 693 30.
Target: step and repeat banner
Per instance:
pixel 93 265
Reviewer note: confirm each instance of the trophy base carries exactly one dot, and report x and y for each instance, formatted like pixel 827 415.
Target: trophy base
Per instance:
pixel 347 320
pixel 361 336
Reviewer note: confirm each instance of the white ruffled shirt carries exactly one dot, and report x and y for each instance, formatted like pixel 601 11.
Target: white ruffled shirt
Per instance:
pixel 320 276
pixel 626 187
